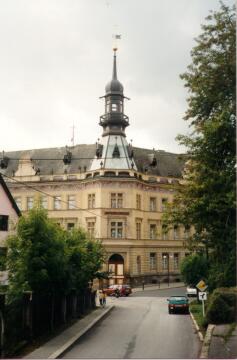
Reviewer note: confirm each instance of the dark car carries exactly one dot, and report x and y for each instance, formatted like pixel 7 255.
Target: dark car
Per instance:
pixel 178 304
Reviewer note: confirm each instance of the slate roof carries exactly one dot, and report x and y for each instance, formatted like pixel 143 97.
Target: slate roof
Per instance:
pixel 168 164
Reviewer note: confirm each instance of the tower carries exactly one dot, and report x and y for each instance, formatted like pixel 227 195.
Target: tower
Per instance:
pixel 114 152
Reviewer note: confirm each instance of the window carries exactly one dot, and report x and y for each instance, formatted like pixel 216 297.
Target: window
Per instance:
pixel 114 107
pixel 44 202
pixel 164 202
pixel 164 232
pixel 152 261
pixel 139 264
pixel 71 201
pixel 116 200
pixel 57 202
pixel 176 232
pixel 176 261
pixel 187 232
pixel 18 202
pixel 30 202
pixel 107 106
pixel 70 226
pixel 3 222
pixel 165 260
pixel 91 228
pixel 116 230
pixel 91 201
pixel 138 230
pixel 138 201
pixel 152 204
pixel 153 231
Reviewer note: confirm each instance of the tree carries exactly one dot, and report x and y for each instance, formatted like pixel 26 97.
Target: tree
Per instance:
pixel 35 259
pixel 44 258
pixel 207 200
pixel 194 268
pixel 84 258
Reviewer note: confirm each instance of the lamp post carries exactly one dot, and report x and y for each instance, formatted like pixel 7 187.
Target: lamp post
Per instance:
pixel 168 257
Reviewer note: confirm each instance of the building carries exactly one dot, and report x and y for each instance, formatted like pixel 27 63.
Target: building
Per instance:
pixel 115 191
pixel 9 214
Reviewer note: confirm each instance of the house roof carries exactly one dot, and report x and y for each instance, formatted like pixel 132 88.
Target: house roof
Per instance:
pixel 50 161
pixel 9 195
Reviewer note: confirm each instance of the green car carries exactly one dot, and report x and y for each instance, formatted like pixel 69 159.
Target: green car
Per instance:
pixel 178 304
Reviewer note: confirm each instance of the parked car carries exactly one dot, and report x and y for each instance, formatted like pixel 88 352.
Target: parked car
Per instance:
pixel 124 290
pixel 191 290
pixel 178 304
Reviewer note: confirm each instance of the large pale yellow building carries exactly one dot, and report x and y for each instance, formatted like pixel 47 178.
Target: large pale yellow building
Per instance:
pixel 116 192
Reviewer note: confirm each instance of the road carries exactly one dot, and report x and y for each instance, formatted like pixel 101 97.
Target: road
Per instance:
pixel 140 327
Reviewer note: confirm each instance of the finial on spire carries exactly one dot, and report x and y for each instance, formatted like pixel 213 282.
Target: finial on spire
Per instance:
pixel 115 47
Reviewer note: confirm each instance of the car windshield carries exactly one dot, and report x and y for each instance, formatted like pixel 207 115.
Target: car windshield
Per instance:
pixel 177 299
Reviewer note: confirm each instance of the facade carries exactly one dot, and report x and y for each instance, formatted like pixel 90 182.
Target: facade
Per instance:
pixel 9 214
pixel 116 192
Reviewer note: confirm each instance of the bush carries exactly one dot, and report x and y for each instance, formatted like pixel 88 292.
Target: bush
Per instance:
pixel 221 307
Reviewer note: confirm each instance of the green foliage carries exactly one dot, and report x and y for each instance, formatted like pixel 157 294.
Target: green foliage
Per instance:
pixel 194 268
pixel 3 258
pixel 207 200
pixel 221 307
pixel 196 310
pixel 36 255
pixel 44 258
pixel 84 258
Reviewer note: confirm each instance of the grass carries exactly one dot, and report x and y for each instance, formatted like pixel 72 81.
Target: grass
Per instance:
pixel 196 310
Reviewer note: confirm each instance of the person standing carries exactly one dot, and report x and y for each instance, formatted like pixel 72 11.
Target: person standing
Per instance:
pixel 104 298
pixel 101 297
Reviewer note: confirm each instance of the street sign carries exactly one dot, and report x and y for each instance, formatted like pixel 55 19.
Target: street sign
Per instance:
pixel 202 296
pixel 201 285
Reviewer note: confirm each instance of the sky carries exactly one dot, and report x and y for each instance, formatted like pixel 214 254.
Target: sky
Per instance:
pixel 56 58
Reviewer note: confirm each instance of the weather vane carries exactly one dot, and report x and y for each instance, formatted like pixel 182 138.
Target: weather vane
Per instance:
pixel 115 43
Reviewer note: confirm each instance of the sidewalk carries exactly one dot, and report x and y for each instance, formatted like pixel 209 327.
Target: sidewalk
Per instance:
pixel 222 343
pixel 161 286
pixel 59 344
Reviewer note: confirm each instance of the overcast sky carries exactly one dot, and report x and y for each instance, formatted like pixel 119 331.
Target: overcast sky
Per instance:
pixel 56 58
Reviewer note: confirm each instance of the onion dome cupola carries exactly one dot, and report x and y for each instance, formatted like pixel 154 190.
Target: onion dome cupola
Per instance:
pixel 113 152
pixel 114 121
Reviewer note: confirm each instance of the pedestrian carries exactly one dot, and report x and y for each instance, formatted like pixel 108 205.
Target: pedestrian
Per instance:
pixel 117 292
pixel 101 297
pixel 104 298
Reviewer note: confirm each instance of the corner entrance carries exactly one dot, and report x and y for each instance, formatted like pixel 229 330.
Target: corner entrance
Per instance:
pixel 116 269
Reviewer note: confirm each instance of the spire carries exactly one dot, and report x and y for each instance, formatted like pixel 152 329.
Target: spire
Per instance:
pixel 114 75
pixel 114 86
pixel 114 121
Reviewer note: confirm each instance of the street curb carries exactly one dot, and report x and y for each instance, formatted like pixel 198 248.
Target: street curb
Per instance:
pixel 150 289
pixel 70 342
pixel 207 342
pixel 197 327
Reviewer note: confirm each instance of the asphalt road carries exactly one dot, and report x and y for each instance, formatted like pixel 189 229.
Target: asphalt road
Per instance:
pixel 140 327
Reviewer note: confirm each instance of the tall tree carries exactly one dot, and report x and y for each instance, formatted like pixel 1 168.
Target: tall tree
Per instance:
pixel 35 257
pixel 84 256
pixel 207 200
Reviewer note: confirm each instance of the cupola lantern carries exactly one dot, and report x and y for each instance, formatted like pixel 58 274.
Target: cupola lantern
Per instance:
pixel 114 121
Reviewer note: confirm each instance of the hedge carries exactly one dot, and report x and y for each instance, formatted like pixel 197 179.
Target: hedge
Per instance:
pixel 221 308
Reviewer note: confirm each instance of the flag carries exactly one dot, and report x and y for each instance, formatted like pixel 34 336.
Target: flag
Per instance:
pixel 117 36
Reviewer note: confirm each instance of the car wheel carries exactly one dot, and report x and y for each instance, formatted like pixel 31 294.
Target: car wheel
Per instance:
pixel 170 312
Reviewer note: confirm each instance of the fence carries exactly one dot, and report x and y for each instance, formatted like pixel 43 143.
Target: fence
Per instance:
pixel 34 315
